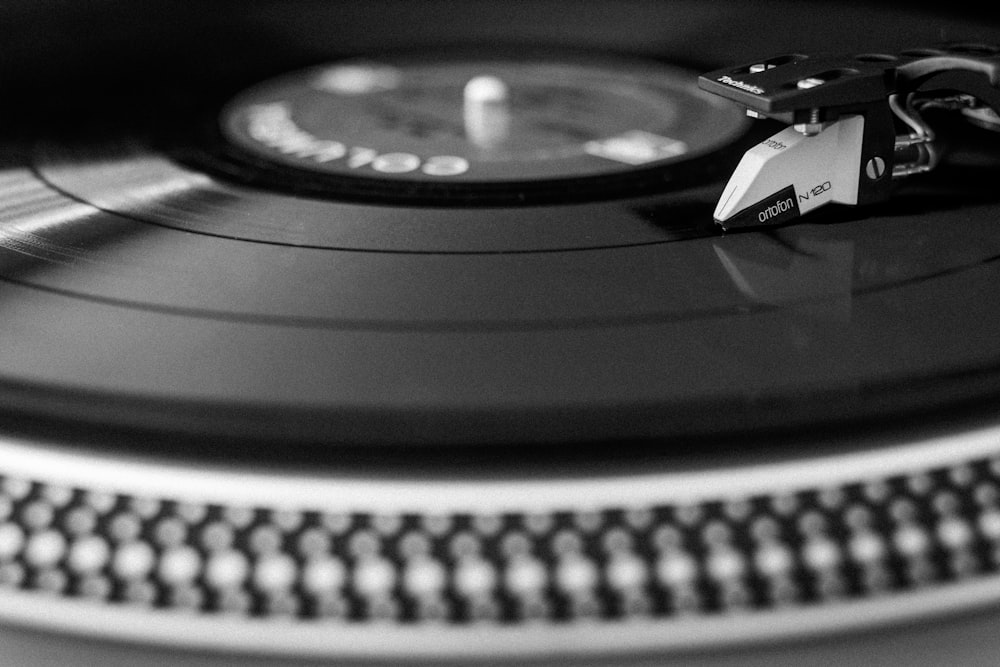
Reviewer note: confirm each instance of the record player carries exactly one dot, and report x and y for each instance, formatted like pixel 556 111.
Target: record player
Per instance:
pixel 499 333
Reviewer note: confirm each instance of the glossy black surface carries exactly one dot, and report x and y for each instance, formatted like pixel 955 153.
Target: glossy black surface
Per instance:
pixel 141 292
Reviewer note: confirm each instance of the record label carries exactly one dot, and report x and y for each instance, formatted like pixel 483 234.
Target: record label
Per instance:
pixel 428 125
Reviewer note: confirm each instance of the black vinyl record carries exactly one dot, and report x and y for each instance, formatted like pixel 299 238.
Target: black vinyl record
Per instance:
pixel 185 276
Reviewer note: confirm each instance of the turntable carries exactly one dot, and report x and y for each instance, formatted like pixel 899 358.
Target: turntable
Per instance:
pixel 499 333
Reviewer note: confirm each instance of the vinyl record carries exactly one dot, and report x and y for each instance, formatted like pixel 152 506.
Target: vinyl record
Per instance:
pixel 602 315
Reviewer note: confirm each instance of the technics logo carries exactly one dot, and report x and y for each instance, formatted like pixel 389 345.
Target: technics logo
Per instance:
pixel 776 209
pixel 742 85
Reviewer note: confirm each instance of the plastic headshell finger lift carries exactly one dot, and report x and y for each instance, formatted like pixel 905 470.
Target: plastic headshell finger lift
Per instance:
pixel 843 145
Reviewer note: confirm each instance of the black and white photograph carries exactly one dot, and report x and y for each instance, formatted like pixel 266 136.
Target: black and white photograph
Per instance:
pixel 513 333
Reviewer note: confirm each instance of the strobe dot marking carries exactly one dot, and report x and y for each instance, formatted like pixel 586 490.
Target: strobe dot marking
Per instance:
pixel 748 554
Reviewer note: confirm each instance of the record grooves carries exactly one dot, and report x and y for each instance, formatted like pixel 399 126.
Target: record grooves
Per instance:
pixel 404 333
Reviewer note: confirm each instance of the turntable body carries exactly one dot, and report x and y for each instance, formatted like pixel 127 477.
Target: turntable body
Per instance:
pixel 489 392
